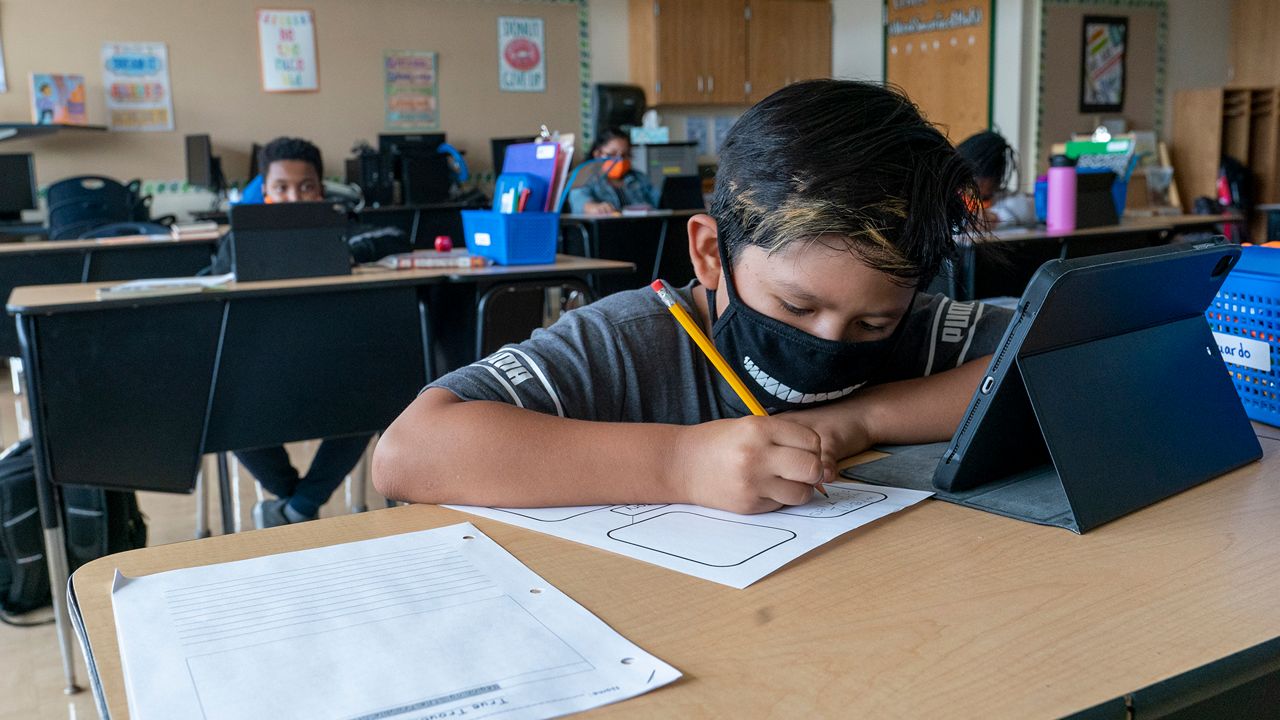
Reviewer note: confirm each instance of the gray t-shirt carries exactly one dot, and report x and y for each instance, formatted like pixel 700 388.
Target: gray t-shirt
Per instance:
pixel 625 359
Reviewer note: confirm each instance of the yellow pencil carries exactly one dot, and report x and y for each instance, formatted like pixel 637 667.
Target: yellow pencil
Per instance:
pixel 709 349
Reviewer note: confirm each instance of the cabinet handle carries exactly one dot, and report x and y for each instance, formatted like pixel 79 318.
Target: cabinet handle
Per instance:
pixel 711 83
pixel 699 83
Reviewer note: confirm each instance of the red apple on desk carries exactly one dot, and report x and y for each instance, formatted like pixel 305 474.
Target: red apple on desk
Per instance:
pixel 444 243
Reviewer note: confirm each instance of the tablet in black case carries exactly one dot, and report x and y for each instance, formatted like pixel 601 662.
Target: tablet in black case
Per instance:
pixel 1109 378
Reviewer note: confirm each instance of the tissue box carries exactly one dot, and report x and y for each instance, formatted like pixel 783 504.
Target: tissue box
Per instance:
pixel 650 136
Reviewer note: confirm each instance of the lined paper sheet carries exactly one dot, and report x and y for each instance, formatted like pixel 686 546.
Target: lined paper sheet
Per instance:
pixel 437 623
pixel 734 550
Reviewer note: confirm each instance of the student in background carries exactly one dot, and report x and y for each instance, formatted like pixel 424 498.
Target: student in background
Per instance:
pixel 835 205
pixel 615 185
pixel 993 162
pixel 293 171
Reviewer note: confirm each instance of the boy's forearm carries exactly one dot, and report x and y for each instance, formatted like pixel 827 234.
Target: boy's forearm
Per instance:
pixel 918 410
pixel 489 453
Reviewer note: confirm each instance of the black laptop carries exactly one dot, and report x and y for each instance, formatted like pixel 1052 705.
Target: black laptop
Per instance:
pixel 681 192
pixel 1108 377
pixel 288 240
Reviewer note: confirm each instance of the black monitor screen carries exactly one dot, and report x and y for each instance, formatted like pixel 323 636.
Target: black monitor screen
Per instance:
pixel 499 148
pixel 407 144
pixel 17 183
pixel 199 161
pixel 255 158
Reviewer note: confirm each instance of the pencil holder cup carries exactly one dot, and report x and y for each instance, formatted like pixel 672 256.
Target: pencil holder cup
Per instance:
pixel 527 238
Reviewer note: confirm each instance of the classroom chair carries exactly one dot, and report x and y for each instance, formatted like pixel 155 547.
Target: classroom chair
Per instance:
pixel 131 227
pixel 80 204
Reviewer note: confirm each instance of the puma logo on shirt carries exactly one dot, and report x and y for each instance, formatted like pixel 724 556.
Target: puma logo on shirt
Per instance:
pixel 509 364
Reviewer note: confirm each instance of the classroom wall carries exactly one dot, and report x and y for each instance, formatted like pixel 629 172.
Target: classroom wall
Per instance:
pixel 213 53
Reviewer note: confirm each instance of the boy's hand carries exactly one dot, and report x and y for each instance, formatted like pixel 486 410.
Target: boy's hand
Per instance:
pixel 840 425
pixel 750 464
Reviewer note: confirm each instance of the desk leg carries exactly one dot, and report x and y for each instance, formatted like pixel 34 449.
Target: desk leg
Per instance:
pixel 49 500
pixel 224 494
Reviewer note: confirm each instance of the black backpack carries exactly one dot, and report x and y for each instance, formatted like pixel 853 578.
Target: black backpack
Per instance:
pixel 98 522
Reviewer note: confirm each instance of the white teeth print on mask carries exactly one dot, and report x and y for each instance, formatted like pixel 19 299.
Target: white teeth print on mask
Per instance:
pixel 786 394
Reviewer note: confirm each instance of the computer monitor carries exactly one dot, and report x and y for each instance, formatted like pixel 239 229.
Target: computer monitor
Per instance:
pixel 255 160
pixel 17 185
pixel 682 192
pixel 499 148
pixel 395 147
pixel 617 106
pixel 203 169
pixel 416 162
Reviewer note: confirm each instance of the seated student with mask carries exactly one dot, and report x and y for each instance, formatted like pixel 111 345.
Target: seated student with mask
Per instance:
pixel 615 184
pixel 292 173
pixel 835 205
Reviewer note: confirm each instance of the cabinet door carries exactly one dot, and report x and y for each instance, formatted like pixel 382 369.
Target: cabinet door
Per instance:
pixel 790 40
pixel 809 52
pixel 724 32
pixel 680 44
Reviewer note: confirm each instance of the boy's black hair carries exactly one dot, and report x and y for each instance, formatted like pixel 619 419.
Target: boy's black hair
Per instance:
pixel 989 156
pixel 843 159
pixel 609 133
pixel 288 148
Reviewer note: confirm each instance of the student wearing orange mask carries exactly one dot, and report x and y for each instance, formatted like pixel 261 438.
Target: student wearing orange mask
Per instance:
pixel 616 185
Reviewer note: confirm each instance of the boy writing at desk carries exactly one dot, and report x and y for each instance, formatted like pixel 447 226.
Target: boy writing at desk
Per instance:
pixel 835 203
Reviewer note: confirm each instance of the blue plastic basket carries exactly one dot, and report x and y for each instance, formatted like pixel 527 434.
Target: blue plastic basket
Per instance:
pixel 527 238
pixel 1245 319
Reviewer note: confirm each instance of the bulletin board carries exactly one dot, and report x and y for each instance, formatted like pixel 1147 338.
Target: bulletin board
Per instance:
pixel 940 53
pixel 1061 66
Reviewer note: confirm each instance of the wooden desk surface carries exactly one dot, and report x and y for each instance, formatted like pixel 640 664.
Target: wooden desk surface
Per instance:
pixel 123 241
pixel 937 611
pixel 1126 225
pixel 74 297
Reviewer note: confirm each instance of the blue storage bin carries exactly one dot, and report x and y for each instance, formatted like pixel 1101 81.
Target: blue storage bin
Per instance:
pixel 1042 199
pixel 1245 319
pixel 527 238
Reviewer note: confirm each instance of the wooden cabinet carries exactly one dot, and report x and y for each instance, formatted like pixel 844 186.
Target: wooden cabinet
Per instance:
pixel 1237 121
pixel 788 41
pixel 1243 122
pixel 730 52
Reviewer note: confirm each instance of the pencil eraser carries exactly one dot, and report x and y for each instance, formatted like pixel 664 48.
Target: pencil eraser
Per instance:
pixel 657 285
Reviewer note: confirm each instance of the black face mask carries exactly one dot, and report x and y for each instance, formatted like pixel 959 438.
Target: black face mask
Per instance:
pixel 787 368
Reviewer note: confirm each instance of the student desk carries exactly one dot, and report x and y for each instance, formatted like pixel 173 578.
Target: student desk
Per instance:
pixel 131 392
pixel 657 242
pixel 936 611
pixel 1004 262
pixel 72 261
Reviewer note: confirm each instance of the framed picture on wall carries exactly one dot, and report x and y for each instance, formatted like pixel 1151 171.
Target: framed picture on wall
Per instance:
pixel 1102 63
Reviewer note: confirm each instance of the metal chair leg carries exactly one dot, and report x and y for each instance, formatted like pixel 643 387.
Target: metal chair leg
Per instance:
pixel 202 500
pixel 225 496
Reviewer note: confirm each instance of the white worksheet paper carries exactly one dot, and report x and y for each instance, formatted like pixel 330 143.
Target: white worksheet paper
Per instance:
pixel 438 623
pixel 734 550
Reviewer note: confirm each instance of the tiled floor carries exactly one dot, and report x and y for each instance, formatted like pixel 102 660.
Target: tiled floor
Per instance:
pixel 31 681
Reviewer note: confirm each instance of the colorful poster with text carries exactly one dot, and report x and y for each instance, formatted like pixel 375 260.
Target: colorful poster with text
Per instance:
pixel 522 62
pixel 412 98
pixel 135 77
pixel 287 41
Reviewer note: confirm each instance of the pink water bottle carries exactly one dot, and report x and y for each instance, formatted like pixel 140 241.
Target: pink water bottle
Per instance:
pixel 1060 214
